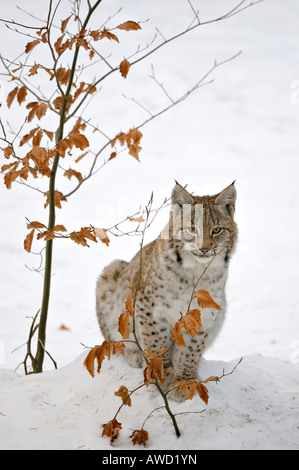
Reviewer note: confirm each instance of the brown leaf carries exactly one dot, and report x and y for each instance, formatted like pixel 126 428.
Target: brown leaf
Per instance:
pixel 80 237
pixel 46 235
pixel 36 224
pixel 78 140
pixel 33 70
pixel 58 198
pixel 123 393
pixel 22 93
pixel 177 335
pixel 41 110
pixel 97 35
pixel 11 96
pixel 8 151
pixel 129 26
pixel 189 387
pixel 154 370
pixel 204 300
pixel 212 378
pixel 50 134
pixel 107 34
pixel 28 241
pixel 12 175
pixel 32 106
pixel 192 324
pixel 101 234
pixel 124 68
pixel 124 326
pixel 81 156
pixel 139 437
pixel 132 139
pixel 30 45
pixel 112 429
pixel 63 327
pixel 59 228
pixel 97 353
pixel 69 173
pixel 129 305
pixel 118 346
pixel 63 75
pixel 64 23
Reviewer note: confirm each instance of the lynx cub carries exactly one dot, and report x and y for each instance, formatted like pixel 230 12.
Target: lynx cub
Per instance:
pixel 201 230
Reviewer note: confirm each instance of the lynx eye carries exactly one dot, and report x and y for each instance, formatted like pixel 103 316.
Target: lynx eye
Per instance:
pixel 216 230
pixel 193 230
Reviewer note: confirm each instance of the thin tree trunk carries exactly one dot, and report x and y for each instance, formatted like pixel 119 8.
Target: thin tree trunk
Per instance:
pixel 40 353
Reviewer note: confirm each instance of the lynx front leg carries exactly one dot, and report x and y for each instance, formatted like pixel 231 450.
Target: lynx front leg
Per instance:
pixel 153 335
pixel 185 363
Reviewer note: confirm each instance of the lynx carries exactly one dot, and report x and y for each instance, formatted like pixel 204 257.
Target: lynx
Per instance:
pixel 196 244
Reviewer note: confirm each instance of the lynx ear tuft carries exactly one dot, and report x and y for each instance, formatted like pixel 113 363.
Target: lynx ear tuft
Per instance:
pixel 181 196
pixel 227 198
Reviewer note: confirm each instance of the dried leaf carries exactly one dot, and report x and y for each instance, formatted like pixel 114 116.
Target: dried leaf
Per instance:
pixel 33 70
pixel 97 35
pixel 30 45
pixel 59 228
pixel 58 197
pixel 41 110
pixel 192 324
pixel 97 353
pixel 124 68
pixel 189 387
pixel 129 305
pixel 101 234
pixel 124 326
pixel 154 370
pixel 50 134
pixel 78 140
pixel 80 237
pixel 139 437
pixel 132 139
pixel 118 346
pixel 69 173
pixel 11 96
pixel 28 241
pixel 12 175
pixel 129 26
pixel 112 429
pixel 204 300
pixel 123 393
pixel 8 151
pixel 212 378
pixel 22 93
pixel 36 224
pixel 64 23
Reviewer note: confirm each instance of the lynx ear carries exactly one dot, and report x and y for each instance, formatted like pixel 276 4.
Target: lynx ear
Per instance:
pixel 181 196
pixel 227 199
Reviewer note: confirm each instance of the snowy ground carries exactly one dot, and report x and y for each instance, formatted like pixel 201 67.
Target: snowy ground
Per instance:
pixel 244 126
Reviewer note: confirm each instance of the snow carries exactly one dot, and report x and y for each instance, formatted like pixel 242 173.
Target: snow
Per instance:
pixel 243 126
pixel 65 409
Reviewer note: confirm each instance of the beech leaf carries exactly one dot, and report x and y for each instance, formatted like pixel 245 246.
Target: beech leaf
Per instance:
pixel 129 26
pixel 124 68
pixel 204 300
pixel 139 437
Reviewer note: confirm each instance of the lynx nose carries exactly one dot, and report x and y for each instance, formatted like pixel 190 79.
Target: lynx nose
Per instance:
pixel 204 250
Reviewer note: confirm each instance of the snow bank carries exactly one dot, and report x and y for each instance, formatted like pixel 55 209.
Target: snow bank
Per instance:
pixel 254 408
